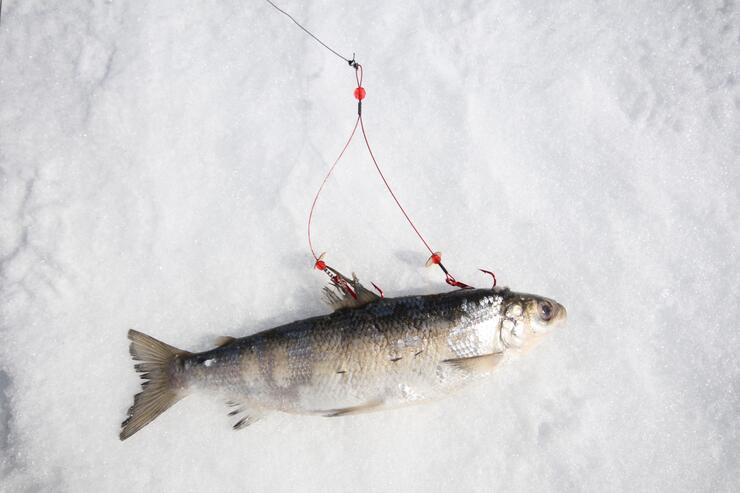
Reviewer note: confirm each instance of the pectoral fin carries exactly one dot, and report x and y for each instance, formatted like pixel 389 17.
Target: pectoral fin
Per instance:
pixel 224 341
pixel 345 411
pixel 476 364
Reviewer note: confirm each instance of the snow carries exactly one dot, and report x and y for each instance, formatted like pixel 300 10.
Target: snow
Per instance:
pixel 157 162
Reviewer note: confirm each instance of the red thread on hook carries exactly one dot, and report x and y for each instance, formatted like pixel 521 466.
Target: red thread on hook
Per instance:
pixel 377 288
pixel 454 282
pixel 340 281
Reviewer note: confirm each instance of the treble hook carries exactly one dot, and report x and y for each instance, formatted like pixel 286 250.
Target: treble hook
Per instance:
pixel 336 277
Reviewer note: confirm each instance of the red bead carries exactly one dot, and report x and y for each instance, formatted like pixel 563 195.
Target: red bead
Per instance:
pixel 360 93
pixel 436 258
pixel 320 265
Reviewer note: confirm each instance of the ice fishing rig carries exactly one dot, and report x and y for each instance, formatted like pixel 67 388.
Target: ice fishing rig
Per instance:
pixel 351 287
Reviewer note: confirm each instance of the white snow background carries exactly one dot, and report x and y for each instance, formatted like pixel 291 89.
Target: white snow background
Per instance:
pixel 157 163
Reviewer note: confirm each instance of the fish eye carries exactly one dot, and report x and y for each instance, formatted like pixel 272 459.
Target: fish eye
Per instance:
pixel 545 310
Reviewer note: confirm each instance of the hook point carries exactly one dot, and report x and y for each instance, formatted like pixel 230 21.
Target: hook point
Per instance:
pixel 491 274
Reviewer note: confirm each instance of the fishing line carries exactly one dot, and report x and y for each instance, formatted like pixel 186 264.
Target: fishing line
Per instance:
pixel 390 190
pixel 351 62
pixel 318 192
pixel 360 93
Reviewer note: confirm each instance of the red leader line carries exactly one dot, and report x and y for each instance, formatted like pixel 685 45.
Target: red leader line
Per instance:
pixel 436 257
pixel 323 183
pixel 360 95
pixel 390 190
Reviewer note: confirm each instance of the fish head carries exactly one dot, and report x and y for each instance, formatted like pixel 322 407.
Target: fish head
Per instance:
pixel 526 318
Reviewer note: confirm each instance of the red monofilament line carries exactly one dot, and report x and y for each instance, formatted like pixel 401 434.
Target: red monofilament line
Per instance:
pixel 318 192
pixel 358 77
pixel 390 190
pixel 360 94
pixel 435 257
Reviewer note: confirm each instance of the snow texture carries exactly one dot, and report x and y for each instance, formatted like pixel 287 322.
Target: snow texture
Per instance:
pixel 157 162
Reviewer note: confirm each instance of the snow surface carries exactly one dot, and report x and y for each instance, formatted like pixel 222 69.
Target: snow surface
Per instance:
pixel 157 161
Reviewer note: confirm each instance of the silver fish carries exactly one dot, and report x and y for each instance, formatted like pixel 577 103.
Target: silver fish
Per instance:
pixel 371 353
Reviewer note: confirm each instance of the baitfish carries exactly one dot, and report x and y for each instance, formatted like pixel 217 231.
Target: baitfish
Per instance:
pixel 371 353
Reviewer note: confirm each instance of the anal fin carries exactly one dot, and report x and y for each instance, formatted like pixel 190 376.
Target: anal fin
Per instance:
pixel 476 364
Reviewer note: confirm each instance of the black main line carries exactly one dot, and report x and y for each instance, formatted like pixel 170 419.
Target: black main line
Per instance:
pixel 307 32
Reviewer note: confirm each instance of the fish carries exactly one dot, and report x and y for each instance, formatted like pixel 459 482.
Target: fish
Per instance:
pixel 371 353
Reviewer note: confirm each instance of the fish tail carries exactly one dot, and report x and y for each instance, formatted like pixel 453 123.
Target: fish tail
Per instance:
pixel 159 391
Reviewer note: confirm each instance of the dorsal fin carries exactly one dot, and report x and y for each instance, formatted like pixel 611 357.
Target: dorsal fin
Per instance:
pixel 224 341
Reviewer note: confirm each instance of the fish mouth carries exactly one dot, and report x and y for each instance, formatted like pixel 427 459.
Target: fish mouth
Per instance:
pixel 558 321
pixel 562 315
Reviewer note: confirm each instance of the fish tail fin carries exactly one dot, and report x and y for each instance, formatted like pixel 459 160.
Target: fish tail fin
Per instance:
pixel 159 391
